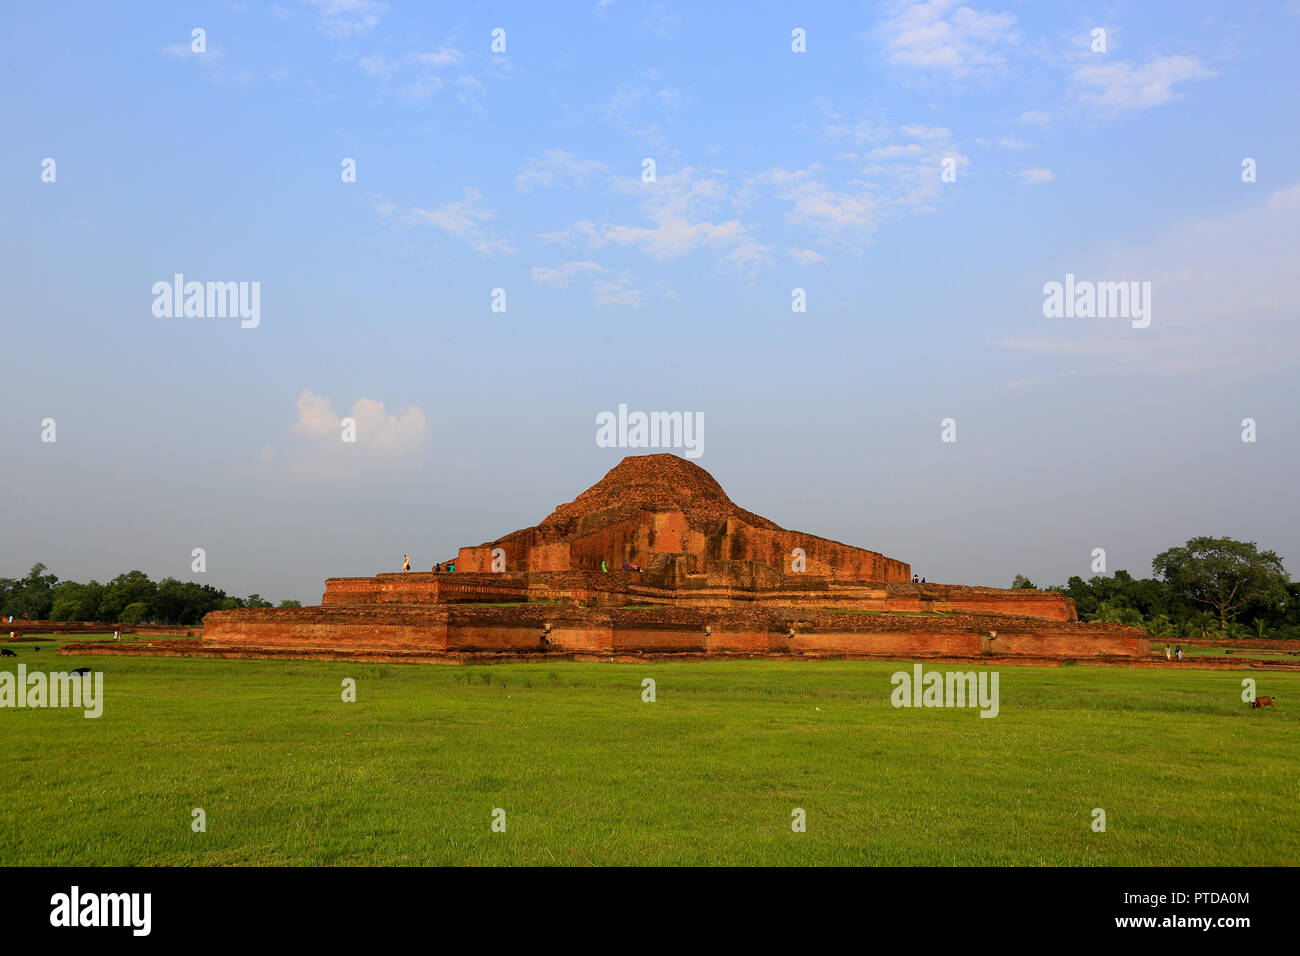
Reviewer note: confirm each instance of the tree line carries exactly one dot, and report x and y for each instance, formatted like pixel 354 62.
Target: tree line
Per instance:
pixel 1207 588
pixel 130 598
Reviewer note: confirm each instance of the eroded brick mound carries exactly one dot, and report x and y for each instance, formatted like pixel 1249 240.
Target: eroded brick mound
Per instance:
pixel 650 505
pixel 650 483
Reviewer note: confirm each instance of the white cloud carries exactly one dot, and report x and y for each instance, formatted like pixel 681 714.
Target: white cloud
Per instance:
pixel 379 65
pixel 562 276
pixel 419 76
pixel 555 167
pixel 1113 88
pixel 942 37
pixel 443 56
pixel 678 208
pixel 805 257
pixel 661 21
pixel 1037 175
pixel 317 451
pixel 342 19
pixel 609 287
pixel 464 219
pixel 816 204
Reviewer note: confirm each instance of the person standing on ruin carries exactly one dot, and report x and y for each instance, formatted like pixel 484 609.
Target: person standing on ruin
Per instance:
pixel 406 562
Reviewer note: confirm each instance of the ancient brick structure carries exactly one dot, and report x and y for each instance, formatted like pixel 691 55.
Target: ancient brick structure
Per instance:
pixel 661 504
pixel 714 580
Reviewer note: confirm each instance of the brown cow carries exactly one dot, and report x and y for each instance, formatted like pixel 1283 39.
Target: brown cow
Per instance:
pixel 1262 702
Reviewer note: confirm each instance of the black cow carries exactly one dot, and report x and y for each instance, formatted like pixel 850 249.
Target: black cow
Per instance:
pixel 5 652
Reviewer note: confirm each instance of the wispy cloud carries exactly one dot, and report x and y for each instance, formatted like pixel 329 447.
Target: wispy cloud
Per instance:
pixel 1119 87
pixel 556 168
pixel 417 76
pixel 943 38
pixel 677 208
pixel 345 19
pixel 465 219
pixel 608 286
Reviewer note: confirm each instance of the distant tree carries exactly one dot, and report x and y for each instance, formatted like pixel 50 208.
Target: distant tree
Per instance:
pixel 1131 616
pixel 32 596
pixel 134 613
pixel 1106 613
pixel 1224 574
pixel 134 587
pixel 76 602
pixel 289 602
pixel 256 600
pixel 1020 582
pixel 231 604
pixel 1160 626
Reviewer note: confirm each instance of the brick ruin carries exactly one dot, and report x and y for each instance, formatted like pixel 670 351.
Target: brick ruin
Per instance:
pixel 715 580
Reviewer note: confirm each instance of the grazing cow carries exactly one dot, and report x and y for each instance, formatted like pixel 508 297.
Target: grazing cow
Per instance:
pixel 5 652
pixel 81 670
pixel 1262 702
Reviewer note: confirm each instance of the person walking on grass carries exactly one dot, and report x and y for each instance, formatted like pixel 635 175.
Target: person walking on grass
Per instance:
pixel 1169 655
pixel 1178 652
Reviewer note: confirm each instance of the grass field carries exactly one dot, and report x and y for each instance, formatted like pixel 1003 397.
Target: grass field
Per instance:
pixel 588 773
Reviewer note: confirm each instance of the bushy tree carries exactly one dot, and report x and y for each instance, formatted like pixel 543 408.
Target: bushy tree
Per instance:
pixel 1223 574
pixel 134 587
pixel 134 613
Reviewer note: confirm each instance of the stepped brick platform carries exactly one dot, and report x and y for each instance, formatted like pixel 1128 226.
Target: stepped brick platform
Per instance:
pixel 714 580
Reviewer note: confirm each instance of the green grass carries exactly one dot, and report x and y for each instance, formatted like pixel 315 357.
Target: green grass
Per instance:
pixel 1197 651
pixel 588 773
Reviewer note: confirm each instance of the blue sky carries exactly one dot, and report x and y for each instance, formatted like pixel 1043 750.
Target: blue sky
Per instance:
pixel 522 171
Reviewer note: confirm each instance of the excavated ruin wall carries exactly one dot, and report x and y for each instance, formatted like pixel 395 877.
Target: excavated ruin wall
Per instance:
pixel 719 587
pixel 665 630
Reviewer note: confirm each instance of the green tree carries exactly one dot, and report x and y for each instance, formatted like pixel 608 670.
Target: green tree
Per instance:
pixel 134 587
pixel 289 602
pixel 33 596
pixel 1160 626
pixel 1131 616
pixel 1224 574
pixel 1106 613
pixel 1022 583
pixel 134 613
pixel 256 600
